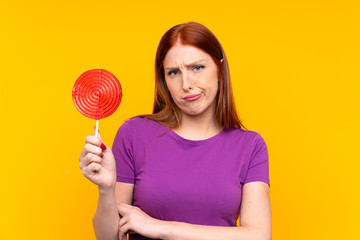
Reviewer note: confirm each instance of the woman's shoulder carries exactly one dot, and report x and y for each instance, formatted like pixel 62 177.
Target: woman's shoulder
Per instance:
pixel 142 125
pixel 143 122
pixel 242 132
pixel 239 134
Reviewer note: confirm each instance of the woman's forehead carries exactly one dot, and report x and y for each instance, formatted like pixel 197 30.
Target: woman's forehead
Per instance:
pixel 184 55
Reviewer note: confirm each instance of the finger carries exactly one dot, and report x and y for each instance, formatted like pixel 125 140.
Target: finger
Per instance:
pixel 93 140
pixel 100 142
pixel 90 140
pixel 122 236
pixel 91 169
pixel 122 221
pixel 104 147
pixel 122 233
pixel 123 208
pixel 89 158
pixel 123 228
pixel 90 148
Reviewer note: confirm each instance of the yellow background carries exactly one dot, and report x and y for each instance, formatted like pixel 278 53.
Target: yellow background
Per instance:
pixel 295 72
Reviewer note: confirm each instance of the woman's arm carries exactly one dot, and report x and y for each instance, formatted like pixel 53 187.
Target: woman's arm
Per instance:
pixel 255 220
pixel 97 163
pixel 178 230
pixel 106 218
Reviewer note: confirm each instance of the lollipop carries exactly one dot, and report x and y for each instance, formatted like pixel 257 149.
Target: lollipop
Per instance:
pixel 97 94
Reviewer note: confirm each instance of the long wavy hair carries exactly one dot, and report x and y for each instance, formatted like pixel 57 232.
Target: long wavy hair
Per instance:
pixel 165 110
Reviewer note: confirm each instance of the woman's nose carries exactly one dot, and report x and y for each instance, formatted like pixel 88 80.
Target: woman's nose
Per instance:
pixel 186 82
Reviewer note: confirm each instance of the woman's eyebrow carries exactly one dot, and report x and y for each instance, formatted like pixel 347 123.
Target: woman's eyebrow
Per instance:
pixel 188 65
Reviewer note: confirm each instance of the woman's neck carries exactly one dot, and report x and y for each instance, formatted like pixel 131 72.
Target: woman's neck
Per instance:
pixel 198 127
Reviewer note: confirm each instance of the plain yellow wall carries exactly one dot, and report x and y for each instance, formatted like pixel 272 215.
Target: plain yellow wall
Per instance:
pixel 295 71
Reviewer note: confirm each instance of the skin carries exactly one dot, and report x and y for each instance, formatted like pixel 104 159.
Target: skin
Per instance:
pixel 188 70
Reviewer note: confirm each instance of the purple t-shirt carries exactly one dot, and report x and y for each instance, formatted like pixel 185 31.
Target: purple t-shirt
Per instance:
pixel 192 181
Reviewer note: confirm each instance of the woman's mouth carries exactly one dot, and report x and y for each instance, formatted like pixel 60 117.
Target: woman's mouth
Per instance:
pixel 192 97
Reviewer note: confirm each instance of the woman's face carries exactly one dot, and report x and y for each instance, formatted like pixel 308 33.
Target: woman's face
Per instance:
pixel 192 78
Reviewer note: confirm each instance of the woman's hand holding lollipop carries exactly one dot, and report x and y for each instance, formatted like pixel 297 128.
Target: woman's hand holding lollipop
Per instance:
pixel 97 163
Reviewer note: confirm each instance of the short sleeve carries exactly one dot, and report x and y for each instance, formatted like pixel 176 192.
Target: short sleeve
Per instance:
pixel 259 162
pixel 123 150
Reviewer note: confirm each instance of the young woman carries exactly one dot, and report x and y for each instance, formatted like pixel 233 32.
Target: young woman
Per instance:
pixel 190 169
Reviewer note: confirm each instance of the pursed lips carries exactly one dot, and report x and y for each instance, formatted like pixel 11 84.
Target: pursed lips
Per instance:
pixel 192 97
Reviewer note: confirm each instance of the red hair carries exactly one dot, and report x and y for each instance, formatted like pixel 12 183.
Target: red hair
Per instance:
pixel 195 34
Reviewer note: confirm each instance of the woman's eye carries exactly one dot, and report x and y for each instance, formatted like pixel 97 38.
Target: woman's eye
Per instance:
pixel 173 73
pixel 197 68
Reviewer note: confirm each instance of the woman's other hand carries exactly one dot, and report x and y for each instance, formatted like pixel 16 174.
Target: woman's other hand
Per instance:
pixel 97 163
pixel 134 220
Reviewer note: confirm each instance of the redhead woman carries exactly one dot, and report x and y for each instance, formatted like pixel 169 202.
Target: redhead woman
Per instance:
pixel 189 170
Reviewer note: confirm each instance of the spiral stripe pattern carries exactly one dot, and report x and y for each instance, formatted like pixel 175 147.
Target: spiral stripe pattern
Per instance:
pixel 97 93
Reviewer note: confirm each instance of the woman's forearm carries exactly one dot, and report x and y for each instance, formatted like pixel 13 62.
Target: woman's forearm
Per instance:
pixel 185 231
pixel 106 218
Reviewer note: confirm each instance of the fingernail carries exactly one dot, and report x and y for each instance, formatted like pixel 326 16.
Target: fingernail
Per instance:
pixel 103 147
pixel 101 155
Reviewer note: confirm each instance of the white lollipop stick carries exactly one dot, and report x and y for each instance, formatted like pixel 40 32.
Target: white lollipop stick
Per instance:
pixel 97 128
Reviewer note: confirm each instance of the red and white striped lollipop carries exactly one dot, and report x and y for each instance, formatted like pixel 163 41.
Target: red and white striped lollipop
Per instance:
pixel 97 94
